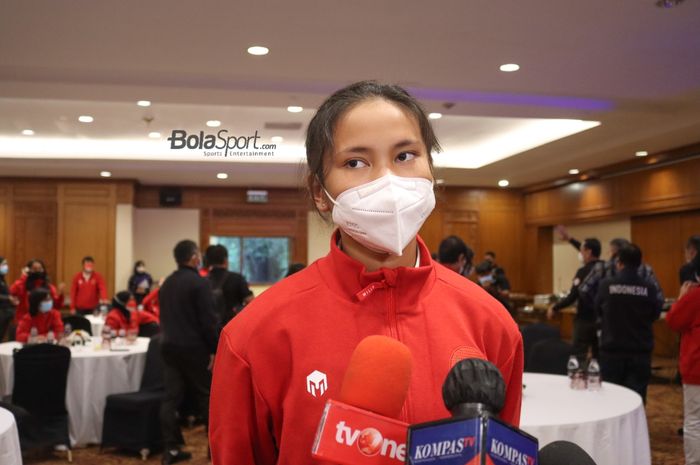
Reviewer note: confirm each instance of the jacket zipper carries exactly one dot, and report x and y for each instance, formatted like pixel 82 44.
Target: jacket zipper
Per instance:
pixel 394 331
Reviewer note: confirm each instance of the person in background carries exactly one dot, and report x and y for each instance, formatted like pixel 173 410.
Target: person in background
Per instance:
pixel 294 268
pixel 488 280
pixel 7 300
pixel 33 277
pixel 140 282
pixel 150 303
pixel 687 271
pixel 230 289
pixel 583 292
pixel 124 314
pixel 456 255
pixel 41 315
pixel 499 274
pixel 189 336
pixel 628 305
pixel 88 289
pixel 684 317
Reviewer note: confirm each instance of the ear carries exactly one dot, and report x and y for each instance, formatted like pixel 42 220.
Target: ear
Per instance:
pixel 318 195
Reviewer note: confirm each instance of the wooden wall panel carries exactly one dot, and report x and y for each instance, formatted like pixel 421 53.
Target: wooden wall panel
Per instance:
pixel 34 235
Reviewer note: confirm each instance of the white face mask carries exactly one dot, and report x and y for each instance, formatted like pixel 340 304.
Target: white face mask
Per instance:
pixel 384 215
pixel 580 257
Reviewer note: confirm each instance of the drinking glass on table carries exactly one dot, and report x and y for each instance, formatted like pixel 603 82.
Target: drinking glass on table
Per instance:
pixel 131 335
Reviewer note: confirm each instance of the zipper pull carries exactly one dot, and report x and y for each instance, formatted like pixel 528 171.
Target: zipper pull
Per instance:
pixel 369 290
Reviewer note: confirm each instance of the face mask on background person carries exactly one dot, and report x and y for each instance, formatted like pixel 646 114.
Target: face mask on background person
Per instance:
pixel 45 306
pixel 88 268
pixel 580 257
pixel 384 215
pixel 141 269
pixel 4 269
pixel 486 280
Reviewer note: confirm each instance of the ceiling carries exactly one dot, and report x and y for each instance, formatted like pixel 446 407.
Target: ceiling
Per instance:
pixel 629 65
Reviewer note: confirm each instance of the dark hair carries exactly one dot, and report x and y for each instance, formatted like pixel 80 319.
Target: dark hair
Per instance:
pixel 294 268
pixel 36 296
pixel 493 254
pixel 319 134
pixel 184 250
pixel 88 259
pixel 36 260
pixel 619 242
pixel 630 255
pixel 451 248
pixel 137 264
pixel 215 255
pixel 120 300
pixel 693 243
pixel 484 267
pixel 593 245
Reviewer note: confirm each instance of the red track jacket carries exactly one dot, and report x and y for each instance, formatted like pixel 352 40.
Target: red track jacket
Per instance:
pixel 44 322
pixel 116 320
pixel 684 317
pixel 262 410
pixel 86 294
pixel 19 290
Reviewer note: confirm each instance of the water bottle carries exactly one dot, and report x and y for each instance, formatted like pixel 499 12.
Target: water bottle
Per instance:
pixel 571 366
pixel 33 334
pixel 106 337
pixel 51 337
pixel 593 373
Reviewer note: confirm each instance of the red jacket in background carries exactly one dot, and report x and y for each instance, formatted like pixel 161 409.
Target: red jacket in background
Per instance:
pixel 151 303
pixel 86 293
pixel 117 321
pixel 19 290
pixel 43 322
pixel 684 317
pixel 304 330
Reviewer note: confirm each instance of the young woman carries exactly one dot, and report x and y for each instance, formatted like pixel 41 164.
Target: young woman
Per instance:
pixel 34 277
pixel 124 314
pixel 369 154
pixel 140 282
pixel 41 316
pixel 7 300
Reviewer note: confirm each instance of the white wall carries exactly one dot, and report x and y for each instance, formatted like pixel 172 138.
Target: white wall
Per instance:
pixel 123 246
pixel 156 231
pixel 319 236
pixel 565 258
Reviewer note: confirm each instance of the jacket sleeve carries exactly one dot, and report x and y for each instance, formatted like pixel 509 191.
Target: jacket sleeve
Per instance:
pixel 575 244
pixel 73 293
pixel 239 418
pixel 568 300
pixel 101 287
pixel 600 298
pixel 684 312
pixel 23 328
pixel 17 287
pixel 57 298
pixel 658 292
pixel 205 313
pixel 56 324
pixel 512 372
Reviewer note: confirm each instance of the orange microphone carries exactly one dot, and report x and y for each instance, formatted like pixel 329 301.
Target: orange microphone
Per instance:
pixel 361 426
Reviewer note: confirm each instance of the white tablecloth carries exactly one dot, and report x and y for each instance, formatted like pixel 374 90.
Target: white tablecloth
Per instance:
pixel 10 453
pixel 92 376
pixel 97 322
pixel 609 424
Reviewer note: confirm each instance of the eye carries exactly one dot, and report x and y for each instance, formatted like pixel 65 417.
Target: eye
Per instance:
pixel 406 156
pixel 355 163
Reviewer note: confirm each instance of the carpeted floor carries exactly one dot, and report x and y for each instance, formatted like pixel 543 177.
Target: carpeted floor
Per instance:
pixel 664 416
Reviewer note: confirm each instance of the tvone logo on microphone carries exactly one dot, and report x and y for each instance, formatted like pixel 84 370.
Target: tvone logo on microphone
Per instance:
pixel 370 442
pixel 510 454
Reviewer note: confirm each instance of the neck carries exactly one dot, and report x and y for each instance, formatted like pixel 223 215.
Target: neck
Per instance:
pixel 376 260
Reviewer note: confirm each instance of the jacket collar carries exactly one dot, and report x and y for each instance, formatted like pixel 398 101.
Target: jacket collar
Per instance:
pixel 349 277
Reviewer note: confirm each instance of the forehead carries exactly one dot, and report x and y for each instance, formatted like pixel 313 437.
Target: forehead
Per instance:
pixel 372 121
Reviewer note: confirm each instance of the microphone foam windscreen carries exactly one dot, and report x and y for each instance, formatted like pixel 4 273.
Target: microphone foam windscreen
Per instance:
pixel 378 376
pixel 563 453
pixel 474 380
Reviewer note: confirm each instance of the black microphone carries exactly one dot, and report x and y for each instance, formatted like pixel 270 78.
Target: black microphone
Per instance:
pixel 564 453
pixel 474 392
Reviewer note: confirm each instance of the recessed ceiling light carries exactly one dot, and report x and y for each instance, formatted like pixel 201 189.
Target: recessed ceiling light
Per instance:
pixel 277 139
pixel 105 174
pixel 435 115
pixel 27 132
pixel 86 119
pixel 641 153
pixel 503 183
pixel 154 135
pixel 574 171
pixel 214 123
pixel 509 67
pixel 222 176
pixel 258 50
pixel 294 109
pixel 144 103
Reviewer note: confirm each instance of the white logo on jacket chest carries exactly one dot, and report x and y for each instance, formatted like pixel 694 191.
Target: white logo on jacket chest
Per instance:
pixel 316 383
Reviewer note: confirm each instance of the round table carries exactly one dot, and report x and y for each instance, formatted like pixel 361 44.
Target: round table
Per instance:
pixel 10 453
pixel 97 323
pixel 93 374
pixel 609 424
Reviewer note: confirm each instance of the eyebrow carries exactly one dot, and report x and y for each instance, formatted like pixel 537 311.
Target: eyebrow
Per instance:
pixel 362 149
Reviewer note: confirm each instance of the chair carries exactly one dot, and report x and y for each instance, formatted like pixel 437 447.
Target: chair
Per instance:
pixel 78 322
pixel 39 396
pixel 132 420
pixel 149 330
pixel 534 333
pixel 549 356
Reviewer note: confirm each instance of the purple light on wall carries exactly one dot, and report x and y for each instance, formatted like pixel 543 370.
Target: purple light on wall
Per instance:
pixel 574 103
